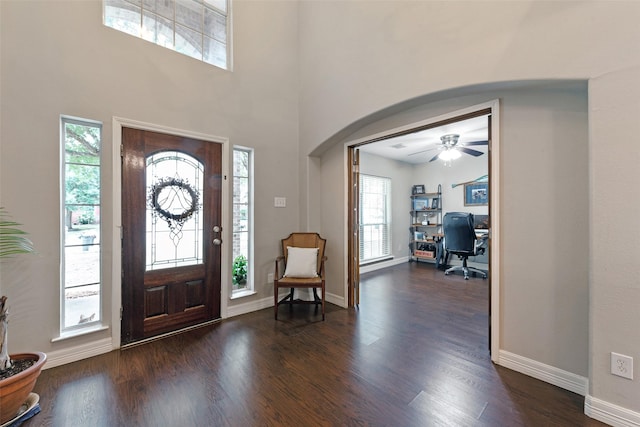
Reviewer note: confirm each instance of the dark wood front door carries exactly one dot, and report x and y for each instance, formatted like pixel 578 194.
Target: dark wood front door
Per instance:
pixel 171 233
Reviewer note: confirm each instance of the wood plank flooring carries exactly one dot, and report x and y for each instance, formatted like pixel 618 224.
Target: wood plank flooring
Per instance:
pixel 415 353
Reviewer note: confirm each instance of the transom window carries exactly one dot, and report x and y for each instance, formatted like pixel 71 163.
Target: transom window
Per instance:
pixel 197 28
pixel 375 218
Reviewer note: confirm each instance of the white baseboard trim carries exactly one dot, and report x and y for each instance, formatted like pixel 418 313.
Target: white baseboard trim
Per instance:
pixel 609 413
pixel 549 374
pixel 260 304
pixel 248 307
pixel 335 299
pixel 384 264
pixel 79 352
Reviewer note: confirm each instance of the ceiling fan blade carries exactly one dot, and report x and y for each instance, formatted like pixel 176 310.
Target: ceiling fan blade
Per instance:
pixel 435 157
pixel 476 143
pixel 423 151
pixel 475 153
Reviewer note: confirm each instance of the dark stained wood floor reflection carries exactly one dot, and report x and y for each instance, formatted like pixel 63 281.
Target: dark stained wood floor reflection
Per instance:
pixel 415 353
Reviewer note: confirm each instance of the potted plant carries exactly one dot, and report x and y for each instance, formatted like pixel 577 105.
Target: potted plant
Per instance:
pixel 18 372
pixel 239 273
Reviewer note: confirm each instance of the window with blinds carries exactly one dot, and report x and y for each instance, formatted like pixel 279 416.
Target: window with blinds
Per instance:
pixel 375 218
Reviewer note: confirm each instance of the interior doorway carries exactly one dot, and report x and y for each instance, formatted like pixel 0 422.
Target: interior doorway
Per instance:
pixel 393 140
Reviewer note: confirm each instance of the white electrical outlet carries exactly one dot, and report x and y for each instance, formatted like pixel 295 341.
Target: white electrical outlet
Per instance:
pixel 270 278
pixel 280 202
pixel 622 365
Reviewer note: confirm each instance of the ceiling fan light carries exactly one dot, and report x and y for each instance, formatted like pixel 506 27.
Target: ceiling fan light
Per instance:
pixel 445 155
pixel 450 154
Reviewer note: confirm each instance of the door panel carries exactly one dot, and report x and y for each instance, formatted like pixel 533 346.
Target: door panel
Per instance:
pixel 354 228
pixel 171 202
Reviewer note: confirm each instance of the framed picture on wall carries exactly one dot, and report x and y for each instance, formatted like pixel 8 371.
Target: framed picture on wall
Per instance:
pixel 476 194
pixel 418 189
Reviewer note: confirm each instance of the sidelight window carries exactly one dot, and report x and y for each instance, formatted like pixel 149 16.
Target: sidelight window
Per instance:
pixel 81 256
pixel 242 276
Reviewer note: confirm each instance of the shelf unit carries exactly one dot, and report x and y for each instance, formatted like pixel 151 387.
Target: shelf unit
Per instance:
pixel 426 225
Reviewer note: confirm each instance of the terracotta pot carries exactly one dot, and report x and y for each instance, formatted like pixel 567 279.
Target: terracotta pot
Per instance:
pixel 15 389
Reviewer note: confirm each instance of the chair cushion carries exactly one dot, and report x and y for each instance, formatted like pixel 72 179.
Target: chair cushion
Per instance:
pixel 301 262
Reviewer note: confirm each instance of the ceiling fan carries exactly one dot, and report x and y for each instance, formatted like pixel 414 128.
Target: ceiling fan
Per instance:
pixel 450 149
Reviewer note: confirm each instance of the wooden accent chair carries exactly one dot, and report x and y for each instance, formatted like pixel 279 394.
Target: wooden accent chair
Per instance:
pixel 303 261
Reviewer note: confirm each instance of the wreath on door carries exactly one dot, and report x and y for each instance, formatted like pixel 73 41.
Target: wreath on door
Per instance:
pixel 174 200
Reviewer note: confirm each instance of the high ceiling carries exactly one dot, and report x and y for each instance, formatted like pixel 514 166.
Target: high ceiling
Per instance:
pixel 420 147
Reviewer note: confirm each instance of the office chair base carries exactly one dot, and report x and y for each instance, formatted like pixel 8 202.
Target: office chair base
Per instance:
pixel 465 269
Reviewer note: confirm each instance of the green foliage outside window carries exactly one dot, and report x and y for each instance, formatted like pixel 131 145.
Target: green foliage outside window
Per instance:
pixel 239 270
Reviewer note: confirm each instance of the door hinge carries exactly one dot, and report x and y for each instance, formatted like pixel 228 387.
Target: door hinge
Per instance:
pixel 120 313
pixel 121 150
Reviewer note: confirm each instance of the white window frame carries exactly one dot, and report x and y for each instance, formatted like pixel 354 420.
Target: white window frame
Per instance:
pixel 250 287
pixel 387 253
pixel 168 20
pixel 93 325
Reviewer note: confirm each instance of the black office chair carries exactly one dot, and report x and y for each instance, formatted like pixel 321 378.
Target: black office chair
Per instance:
pixel 460 239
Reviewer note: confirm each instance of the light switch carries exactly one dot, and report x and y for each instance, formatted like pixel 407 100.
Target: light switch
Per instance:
pixel 280 202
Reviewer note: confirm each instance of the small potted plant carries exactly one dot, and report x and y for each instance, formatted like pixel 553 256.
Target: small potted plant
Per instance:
pixel 239 273
pixel 18 372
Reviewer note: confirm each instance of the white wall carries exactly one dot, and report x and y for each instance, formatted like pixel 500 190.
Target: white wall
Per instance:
pixel 466 168
pixel 544 164
pixel 614 236
pixel 58 58
pixel 380 55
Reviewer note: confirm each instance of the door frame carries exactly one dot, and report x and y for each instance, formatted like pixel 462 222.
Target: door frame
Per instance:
pixel 116 263
pixel 492 108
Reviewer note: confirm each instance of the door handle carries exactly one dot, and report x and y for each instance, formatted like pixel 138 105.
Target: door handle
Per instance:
pixel 217 242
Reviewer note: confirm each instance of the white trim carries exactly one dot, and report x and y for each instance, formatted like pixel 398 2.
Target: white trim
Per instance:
pixel 64 331
pixel 116 286
pixel 495 239
pixel 338 300
pixel 79 352
pixel 97 327
pixel 378 265
pixel 494 194
pixel 242 294
pixel 609 413
pixel 549 374
pixel 248 307
pixel 261 304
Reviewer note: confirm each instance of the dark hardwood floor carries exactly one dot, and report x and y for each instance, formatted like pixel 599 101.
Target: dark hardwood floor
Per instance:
pixel 415 353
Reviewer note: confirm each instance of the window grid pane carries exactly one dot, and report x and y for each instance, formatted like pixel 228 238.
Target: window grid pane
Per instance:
pixel 197 28
pixel 81 256
pixel 375 218
pixel 241 273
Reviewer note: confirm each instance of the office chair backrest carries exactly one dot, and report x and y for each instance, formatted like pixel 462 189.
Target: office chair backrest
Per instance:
pixel 459 235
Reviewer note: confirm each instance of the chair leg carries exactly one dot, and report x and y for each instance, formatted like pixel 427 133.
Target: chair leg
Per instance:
pixel 465 269
pixel 275 301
